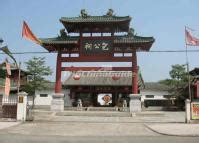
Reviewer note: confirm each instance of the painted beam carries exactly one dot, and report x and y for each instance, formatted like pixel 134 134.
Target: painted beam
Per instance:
pixel 96 59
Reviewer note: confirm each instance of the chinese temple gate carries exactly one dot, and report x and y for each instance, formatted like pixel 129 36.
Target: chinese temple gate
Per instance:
pixel 97 40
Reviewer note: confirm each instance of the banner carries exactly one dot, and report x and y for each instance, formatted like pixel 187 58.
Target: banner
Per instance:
pixel 190 39
pixel 27 33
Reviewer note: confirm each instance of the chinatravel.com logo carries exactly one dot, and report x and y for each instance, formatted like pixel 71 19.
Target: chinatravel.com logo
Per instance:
pixel 101 72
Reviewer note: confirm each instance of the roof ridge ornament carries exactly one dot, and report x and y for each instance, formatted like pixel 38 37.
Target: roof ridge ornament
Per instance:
pixel 1 40
pixel 63 33
pixel 131 32
pixel 110 12
pixel 84 13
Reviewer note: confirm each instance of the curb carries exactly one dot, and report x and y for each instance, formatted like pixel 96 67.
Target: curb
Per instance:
pixel 167 134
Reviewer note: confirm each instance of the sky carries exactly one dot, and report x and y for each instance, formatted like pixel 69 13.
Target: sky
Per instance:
pixel 165 20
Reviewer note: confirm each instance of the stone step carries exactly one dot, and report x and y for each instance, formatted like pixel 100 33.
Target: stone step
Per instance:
pixel 99 113
pixel 96 109
pixel 94 113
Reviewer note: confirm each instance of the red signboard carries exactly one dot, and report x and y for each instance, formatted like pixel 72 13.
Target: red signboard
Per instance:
pixel 195 110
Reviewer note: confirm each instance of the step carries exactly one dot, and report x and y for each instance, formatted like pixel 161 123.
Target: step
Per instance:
pixel 99 113
pixel 94 113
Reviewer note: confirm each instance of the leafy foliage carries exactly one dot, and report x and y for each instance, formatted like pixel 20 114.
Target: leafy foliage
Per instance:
pixel 36 67
pixel 178 80
pixel 177 83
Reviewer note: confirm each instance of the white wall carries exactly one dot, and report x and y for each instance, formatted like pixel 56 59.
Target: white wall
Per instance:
pixel 47 100
pixel 43 100
pixel 158 95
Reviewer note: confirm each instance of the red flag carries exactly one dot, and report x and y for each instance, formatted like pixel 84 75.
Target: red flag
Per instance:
pixel 7 81
pixel 191 40
pixel 27 33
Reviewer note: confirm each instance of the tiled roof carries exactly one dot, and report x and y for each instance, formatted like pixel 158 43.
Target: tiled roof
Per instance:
pixel 13 67
pixel 99 24
pixel 101 78
pixel 94 19
pixel 60 40
pixel 117 40
pixel 155 86
pixel 195 72
pixel 134 39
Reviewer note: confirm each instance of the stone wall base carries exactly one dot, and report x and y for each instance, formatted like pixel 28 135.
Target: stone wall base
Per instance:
pixel 57 103
pixel 135 103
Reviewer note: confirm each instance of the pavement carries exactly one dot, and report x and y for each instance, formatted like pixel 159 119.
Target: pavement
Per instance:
pixel 145 124
pixel 79 129
pixel 6 124
pixel 111 117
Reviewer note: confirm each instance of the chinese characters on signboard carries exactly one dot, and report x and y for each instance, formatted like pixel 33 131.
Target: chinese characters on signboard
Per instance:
pixel 195 110
pixel 96 46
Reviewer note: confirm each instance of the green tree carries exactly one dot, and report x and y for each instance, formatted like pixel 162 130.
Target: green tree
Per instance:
pixel 36 67
pixel 177 83
pixel 179 77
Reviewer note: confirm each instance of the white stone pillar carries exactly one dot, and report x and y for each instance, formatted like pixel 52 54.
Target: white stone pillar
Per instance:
pixel 22 106
pixel 135 103
pixel 57 103
pixel 188 111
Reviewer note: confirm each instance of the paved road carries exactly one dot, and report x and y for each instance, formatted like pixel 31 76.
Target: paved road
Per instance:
pixel 93 130
pixel 14 138
pixel 80 129
pixel 74 132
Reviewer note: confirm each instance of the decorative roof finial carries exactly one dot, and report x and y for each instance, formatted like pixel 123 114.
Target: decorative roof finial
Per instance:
pixel 84 14
pixel 63 33
pixel 110 12
pixel 131 32
pixel 1 40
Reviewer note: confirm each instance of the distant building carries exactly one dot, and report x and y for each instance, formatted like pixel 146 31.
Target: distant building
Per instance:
pixel 92 86
pixel 14 78
pixel 156 94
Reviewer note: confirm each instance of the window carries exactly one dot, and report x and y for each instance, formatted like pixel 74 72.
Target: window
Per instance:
pixel 167 96
pixel 96 34
pixel 43 95
pixel 86 34
pixel 149 96
pixel 118 54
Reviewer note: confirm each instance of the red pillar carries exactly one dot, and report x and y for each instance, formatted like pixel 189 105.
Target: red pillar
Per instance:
pixel 135 73
pixel 58 84
pixel 197 89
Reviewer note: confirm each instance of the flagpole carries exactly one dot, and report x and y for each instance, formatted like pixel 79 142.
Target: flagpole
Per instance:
pixel 187 63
